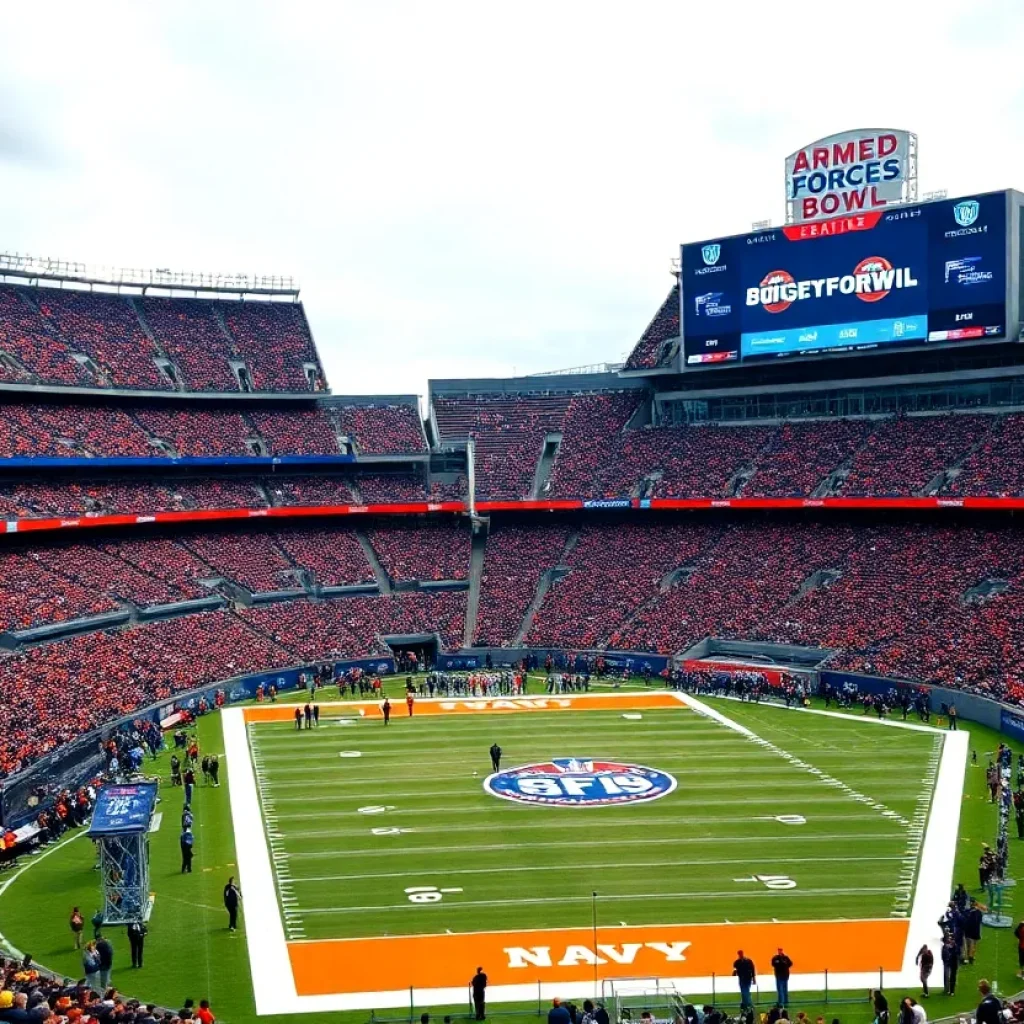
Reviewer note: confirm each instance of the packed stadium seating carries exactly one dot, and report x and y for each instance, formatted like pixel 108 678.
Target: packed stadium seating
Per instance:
pixel 383 429
pixel 508 433
pixel 427 550
pixel 54 693
pixel 590 432
pixel 351 627
pixel 517 555
pixel 649 351
pixel 614 571
pixel 120 338
pixel 108 330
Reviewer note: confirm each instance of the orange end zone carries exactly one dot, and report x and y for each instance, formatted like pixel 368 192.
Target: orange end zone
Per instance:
pixel 349 966
pixel 472 705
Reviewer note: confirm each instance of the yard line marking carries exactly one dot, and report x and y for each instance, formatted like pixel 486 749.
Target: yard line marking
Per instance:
pixel 824 777
pixel 582 823
pixel 381 851
pixel 505 869
pixel 345 775
pixel 606 898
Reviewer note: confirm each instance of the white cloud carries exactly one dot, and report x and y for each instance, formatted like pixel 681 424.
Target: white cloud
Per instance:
pixel 466 188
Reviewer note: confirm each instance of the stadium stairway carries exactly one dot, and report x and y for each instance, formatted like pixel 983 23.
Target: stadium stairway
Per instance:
pixel 549 576
pixel 382 578
pixel 541 475
pixel 476 570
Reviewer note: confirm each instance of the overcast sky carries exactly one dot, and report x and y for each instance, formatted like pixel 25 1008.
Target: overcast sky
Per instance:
pixel 469 189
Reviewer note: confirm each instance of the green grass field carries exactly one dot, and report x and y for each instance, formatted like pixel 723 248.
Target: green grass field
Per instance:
pixel 543 863
pixel 689 856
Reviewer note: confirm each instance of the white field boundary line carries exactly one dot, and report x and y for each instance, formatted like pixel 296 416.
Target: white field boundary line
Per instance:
pixel 274 986
pixel 938 853
pixel 272 982
pixel 825 778
pixel 31 861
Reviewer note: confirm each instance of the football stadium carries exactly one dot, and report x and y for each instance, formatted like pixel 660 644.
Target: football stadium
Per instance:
pixel 686 688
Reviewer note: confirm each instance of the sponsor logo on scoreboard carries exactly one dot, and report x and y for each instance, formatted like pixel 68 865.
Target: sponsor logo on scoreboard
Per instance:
pixel 710 253
pixel 966 213
pixel 580 782
pixel 967 271
pixel 871 280
pixel 711 304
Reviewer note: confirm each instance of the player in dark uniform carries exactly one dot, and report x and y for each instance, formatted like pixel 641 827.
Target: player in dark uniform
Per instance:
pixel 495 757
pixel 386 708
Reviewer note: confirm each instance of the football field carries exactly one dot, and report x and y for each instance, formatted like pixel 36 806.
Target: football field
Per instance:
pixel 375 858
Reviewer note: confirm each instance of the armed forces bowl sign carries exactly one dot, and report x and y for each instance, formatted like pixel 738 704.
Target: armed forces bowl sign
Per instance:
pixel 851 173
pixel 580 782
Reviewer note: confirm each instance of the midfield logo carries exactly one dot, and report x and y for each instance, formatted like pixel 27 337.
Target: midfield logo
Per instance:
pixel 580 782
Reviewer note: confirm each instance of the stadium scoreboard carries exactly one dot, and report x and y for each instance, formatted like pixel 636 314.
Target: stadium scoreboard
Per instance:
pixel 899 276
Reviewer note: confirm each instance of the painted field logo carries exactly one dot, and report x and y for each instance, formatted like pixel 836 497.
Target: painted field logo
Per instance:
pixel 580 782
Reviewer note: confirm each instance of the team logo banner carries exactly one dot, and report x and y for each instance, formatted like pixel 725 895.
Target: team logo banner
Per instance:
pixel 580 782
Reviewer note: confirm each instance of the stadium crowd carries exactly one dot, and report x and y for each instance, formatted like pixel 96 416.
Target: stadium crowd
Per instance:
pixel 120 339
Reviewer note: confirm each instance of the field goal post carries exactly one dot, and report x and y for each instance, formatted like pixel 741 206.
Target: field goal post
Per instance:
pixel 627 998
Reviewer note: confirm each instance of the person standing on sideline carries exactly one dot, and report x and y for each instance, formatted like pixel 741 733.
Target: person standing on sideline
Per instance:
pixel 558 1014
pixel 972 930
pixel 479 985
pixel 215 770
pixel 77 924
pixel 952 718
pixel 950 965
pixel 1019 933
pixel 386 708
pixel 137 940
pixel 316 716
pixel 925 961
pixel 495 757
pixel 232 897
pixel 186 842
pixel 881 1006
pixel 91 965
pixel 409 701
pixel 744 971
pixel 298 717
pixel 990 1010
pixel 781 966
pixel 105 952
pixel 190 783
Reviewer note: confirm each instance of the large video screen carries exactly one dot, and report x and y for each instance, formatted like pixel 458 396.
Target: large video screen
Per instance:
pixel 911 275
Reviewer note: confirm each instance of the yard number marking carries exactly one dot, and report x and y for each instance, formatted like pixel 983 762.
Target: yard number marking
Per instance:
pixel 771 881
pixel 427 893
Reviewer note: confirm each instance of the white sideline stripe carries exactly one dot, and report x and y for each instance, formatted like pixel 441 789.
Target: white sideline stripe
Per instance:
pixel 938 855
pixel 607 898
pixel 914 726
pixel 384 851
pixel 830 780
pixel 504 869
pixel 272 981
